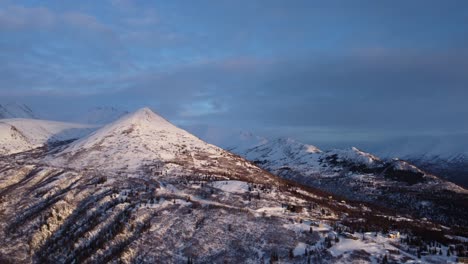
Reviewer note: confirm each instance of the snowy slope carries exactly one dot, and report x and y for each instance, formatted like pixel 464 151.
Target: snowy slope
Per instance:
pixel 286 155
pixel 290 158
pixel 282 153
pixel 177 199
pixel 144 139
pixel 445 156
pixel 18 134
pixel 16 110
pixel 136 136
pixel 358 175
pixel 354 155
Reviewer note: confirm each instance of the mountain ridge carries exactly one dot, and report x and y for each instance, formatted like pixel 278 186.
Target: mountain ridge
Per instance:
pixel 19 134
pixel 108 198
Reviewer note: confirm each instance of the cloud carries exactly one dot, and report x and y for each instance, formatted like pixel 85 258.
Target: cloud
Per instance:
pixel 18 18
pixel 304 68
pixel 394 90
pixel 84 21
pixel 148 18
pixel 45 49
pixel 15 17
pixel 123 4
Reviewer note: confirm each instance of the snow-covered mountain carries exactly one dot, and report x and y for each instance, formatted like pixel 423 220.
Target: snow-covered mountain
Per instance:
pixel 16 110
pixel 19 134
pixel 357 175
pixel 141 190
pixel 445 156
pixel 348 172
pixel 102 115
pixel 144 139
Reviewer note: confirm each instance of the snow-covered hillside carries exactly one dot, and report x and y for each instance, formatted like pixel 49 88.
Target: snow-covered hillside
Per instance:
pixel 18 134
pixel 289 155
pixel 357 175
pixel 143 140
pixel 141 190
pixel 142 135
pixel 283 153
pixel 445 156
pixel 16 110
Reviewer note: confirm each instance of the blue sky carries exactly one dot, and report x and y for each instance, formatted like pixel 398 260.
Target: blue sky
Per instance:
pixel 328 72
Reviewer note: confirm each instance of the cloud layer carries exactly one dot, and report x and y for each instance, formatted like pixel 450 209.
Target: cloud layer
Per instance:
pixel 330 71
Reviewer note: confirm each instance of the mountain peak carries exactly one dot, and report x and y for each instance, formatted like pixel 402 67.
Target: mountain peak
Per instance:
pixel 125 143
pixel 145 110
pixel 292 143
pixel 144 118
pixel 355 155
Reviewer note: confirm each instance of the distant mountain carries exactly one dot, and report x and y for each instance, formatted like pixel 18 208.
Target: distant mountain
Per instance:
pixel 358 175
pixel 16 110
pixel 19 134
pixel 102 115
pixel 445 156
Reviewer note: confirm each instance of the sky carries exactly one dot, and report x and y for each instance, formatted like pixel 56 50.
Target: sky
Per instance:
pixel 325 72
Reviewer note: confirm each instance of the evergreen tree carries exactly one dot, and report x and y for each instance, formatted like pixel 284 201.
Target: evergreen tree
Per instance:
pixel 385 260
pixel 274 257
pixel 328 242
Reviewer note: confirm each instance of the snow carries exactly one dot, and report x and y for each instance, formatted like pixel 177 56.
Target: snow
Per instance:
pixel 281 149
pixel 459 238
pixel 347 245
pixel 270 211
pixel 354 155
pixel 18 134
pixel 143 139
pixel 282 153
pixel 232 186
pixel 140 136
pixel 300 248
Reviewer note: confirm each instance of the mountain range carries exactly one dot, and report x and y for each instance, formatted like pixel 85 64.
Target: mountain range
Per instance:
pixel 141 190
pixel 20 134
pixel 446 157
